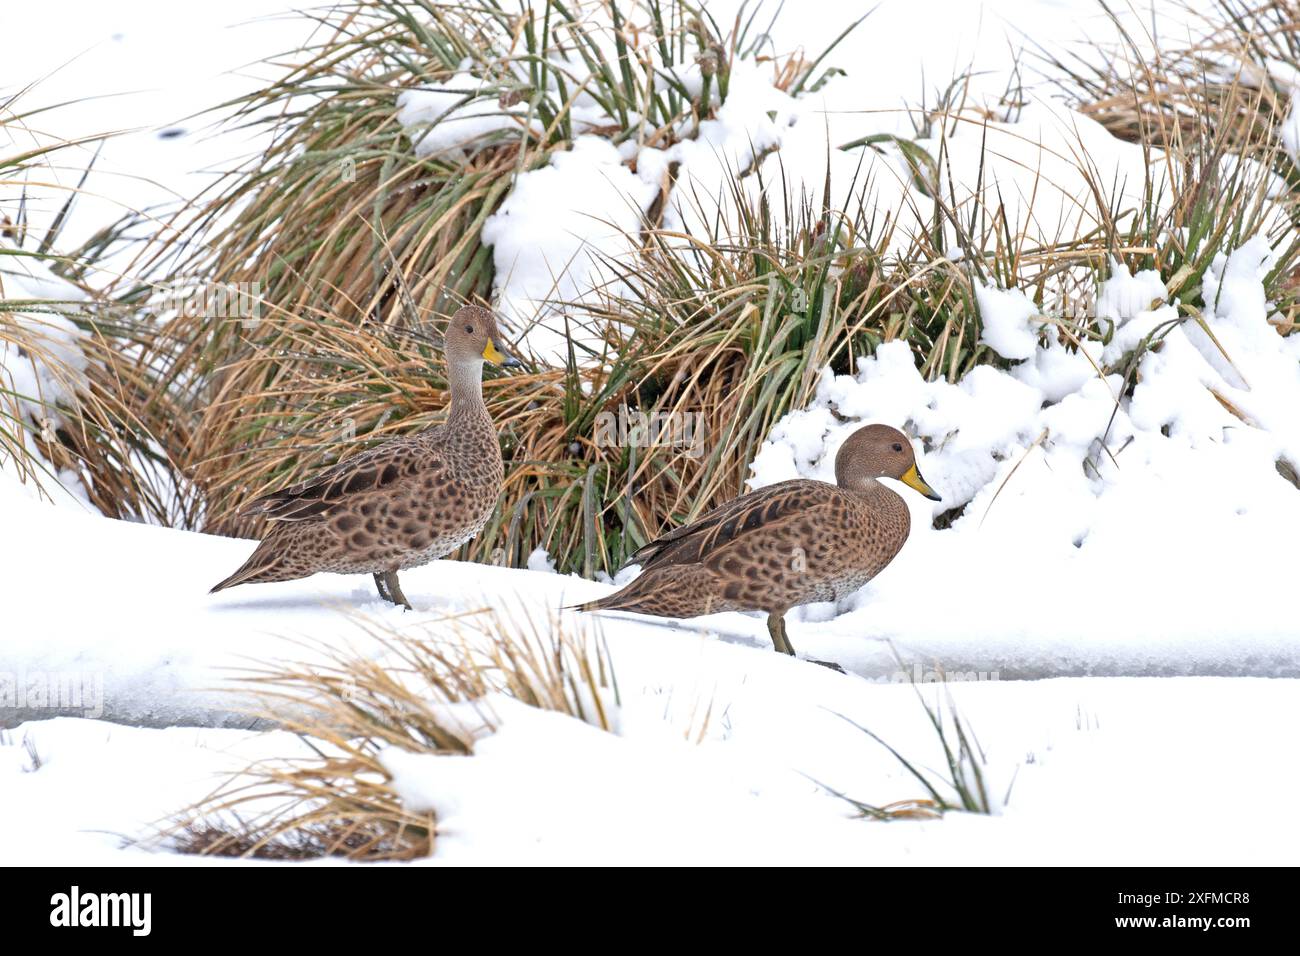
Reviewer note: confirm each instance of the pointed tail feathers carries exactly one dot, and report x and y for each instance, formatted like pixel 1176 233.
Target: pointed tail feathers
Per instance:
pixel 245 574
pixel 618 601
pixel 262 565
pixel 585 606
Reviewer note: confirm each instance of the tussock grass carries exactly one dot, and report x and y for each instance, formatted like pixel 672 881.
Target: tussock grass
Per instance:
pixel 74 396
pixel 346 232
pixel 427 694
pixel 1210 112
pixel 360 248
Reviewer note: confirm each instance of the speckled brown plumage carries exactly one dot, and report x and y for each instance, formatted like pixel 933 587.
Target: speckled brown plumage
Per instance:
pixel 399 505
pixel 788 544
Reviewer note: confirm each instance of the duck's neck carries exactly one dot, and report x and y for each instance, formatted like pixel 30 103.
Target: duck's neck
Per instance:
pixel 466 378
pixel 873 490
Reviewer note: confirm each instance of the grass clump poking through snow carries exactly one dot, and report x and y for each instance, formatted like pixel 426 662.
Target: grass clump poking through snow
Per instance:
pixel 370 720
pixel 361 225
pixel 961 785
pixel 76 399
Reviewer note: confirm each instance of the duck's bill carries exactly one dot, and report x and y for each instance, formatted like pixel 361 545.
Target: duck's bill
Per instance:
pixel 913 479
pixel 493 353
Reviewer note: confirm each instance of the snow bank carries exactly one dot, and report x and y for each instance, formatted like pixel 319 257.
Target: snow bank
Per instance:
pixel 1133 525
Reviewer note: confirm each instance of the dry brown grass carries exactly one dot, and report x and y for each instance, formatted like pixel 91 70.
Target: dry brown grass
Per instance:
pixel 74 398
pixel 430 694
pixel 357 274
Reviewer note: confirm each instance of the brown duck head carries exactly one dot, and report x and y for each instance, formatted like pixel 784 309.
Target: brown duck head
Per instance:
pixel 473 337
pixel 878 451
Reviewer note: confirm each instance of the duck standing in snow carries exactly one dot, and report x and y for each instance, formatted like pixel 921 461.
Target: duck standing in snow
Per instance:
pixel 403 503
pixel 788 544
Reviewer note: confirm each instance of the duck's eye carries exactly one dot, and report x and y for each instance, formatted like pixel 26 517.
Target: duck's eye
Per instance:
pixel 897 447
pixel 469 329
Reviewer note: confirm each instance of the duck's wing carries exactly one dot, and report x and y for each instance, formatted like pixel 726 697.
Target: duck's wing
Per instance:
pixel 758 512
pixel 369 471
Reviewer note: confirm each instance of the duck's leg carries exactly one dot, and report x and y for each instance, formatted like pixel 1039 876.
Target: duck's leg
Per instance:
pixel 776 628
pixel 781 641
pixel 395 590
pixel 381 585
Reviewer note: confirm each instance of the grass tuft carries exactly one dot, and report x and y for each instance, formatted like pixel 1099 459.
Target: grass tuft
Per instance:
pixel 423 695
pixel 961 785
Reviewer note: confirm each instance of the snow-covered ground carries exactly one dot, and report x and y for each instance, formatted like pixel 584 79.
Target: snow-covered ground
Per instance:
pixel 1089 770
pixel 1096 770
pixel 1111 606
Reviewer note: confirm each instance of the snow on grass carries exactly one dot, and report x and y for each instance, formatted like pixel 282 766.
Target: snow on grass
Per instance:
pixel 42 366
pixel 552 233
pixel 1090 535
pixel 456 116
pixel 1006 320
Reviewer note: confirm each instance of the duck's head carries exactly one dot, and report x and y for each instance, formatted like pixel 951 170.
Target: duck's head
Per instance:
pixel 473 338
pixel 878 451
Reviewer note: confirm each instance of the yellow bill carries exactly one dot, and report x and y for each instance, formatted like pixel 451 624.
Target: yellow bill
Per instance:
pixel 912 478
pixel 493 354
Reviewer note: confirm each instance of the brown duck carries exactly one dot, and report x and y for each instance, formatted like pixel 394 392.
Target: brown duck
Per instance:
pixel 403 503
pixel 791 543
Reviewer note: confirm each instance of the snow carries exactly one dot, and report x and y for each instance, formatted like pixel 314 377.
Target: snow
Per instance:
pixel 1289 131
pixel 562 226
pixel 548 789
pixel 551 234
pixel 42 366
pixel 1109 602
pixel 457 116
pixel 52 370
pixel 1006 319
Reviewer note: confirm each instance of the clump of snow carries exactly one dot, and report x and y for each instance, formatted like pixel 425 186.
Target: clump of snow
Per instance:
pixel 1135 305
pixel 1289 131
pixel 53 370
pixel 540 560
pixel 1007 321
pixel 556 234
pixel 457 115
pixel 552 234
pixel 42 363
pixel 46 369
pixel 1125 295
